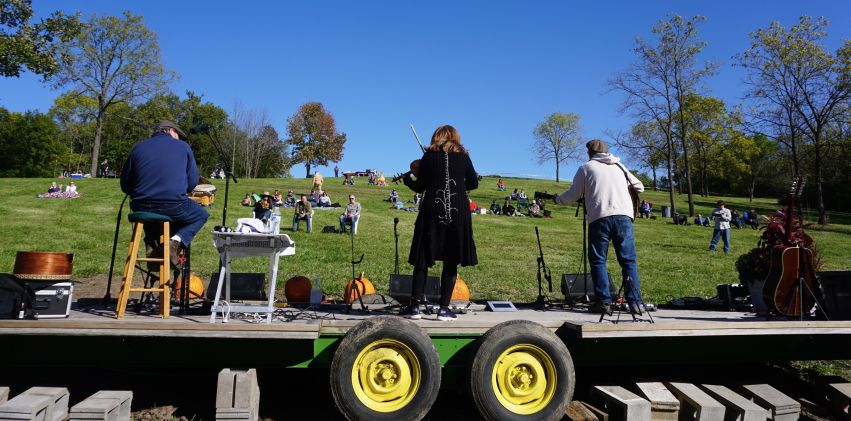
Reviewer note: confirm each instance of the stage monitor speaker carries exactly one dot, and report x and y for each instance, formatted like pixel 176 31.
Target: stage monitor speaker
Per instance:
pixel 243 286
pixel 400 288
pixel 578 286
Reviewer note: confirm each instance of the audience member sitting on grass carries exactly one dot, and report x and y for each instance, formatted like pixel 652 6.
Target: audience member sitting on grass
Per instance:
pixel 736 218
pixel 680 219
pixel 513 195
pixel 53 188
pixel 71 188
pixel 350 216
pixel 277 199
pixel 507 209
pixel 246 201
pixel 522 194
pixel 474 208
pixel 289 201
pixel 701 220
pixel 495 209
pixel 263 209
pixel 417 199
pixel 753 219
pixel 645 209
pixel 535 209
pixel 500 185
pixel 324 200
pixel 394 196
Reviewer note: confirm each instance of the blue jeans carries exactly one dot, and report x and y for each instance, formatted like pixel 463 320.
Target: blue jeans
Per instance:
pixel 725 234
pixel 307 218
pixel 188 217
pixel 618 230
pixel 351 220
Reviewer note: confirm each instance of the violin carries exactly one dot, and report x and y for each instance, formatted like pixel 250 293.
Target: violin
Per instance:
pixel 414 170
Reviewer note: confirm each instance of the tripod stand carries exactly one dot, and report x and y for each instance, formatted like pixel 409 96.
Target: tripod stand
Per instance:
pixel 543 272
pixel 618 304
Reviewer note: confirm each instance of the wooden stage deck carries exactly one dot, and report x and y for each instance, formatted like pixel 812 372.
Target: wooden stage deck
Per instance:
pixel 676 335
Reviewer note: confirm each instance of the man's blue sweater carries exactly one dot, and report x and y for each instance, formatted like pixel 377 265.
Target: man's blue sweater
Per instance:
pixel 161 168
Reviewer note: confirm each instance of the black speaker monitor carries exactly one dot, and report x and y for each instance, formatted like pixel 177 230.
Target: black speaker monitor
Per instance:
pixel 243 286
pixel 400 288
pixel 576 286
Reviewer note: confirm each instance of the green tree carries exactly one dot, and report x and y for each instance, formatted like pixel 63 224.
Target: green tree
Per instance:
pixel 817 84
pixel 29 144
pixel 665 72
pixel 33 46
pixel 112 60
pixel 558 139
pixel 313 136
pixel 711 128
pixel 751 159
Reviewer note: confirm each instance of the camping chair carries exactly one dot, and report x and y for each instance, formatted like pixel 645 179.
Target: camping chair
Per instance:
pixel 523 204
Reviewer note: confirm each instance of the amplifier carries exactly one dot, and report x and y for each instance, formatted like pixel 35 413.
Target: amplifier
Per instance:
pixel 52 301
pixel 400 288
pixel 733 295
pixel 577 286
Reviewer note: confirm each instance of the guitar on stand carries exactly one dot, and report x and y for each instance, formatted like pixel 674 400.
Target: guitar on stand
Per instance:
pixel 790 288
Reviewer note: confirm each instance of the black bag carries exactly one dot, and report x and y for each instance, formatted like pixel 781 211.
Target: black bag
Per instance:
pixel 12 294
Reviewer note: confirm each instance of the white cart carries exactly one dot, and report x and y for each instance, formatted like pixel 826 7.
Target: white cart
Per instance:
pixel 233 245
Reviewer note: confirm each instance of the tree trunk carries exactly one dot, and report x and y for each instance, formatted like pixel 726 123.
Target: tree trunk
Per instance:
pixel 688 177
pixel 96 147
pixel 670 179
pixel 556 171
pixel 822 219
pixel 307 169
pixel 751 188
pixel 655 183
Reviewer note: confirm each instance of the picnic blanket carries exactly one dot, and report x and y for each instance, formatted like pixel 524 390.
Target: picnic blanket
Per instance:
pixel 58 195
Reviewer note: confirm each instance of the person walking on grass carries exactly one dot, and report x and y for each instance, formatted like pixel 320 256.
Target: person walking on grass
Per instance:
pixel 722 217
pixel 603 183
pixel 444 227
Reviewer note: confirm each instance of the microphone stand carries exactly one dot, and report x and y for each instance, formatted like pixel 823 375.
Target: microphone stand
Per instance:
pixel 228 170
pixel 396 238
pixel 581 202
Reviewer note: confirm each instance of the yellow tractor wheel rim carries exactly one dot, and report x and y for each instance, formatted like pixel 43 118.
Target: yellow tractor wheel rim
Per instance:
pixel 524 379
pixel 386 375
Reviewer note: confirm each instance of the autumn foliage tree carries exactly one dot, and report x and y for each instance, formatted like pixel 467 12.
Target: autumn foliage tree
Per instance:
pixel 313 136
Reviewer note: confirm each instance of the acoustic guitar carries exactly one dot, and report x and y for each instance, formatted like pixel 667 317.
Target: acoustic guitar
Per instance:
pixel 791 282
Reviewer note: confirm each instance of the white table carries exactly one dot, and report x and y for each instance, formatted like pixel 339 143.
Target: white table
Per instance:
pixel 234 245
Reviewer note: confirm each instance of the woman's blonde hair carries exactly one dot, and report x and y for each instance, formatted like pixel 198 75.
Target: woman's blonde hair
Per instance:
pixel 446 139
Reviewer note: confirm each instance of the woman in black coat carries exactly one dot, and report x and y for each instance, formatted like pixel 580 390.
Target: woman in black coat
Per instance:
pixel 444 227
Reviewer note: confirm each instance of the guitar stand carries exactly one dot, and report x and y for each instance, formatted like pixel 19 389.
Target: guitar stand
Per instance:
pixel 621 307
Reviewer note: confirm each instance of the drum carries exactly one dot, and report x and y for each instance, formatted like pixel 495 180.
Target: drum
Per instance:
pixel 39 266
pixel 204 194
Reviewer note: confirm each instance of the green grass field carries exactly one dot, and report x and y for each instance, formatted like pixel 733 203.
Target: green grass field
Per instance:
pixel 673 260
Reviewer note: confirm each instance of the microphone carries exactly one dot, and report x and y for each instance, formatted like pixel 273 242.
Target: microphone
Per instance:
pixel 201 128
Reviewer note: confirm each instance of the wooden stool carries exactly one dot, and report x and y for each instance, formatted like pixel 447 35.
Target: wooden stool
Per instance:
pixel 139 219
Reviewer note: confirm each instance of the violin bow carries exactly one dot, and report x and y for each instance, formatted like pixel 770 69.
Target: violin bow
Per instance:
pixel 416 136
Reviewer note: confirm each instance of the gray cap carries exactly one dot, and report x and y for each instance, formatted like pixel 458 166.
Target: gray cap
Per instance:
pixel 166 124
pixel 597 146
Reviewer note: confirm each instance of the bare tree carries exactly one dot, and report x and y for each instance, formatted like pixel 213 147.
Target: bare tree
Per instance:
pixel 252 140
pixel 558 139
pixel 657 83
pixel 815 85
pixel 645 144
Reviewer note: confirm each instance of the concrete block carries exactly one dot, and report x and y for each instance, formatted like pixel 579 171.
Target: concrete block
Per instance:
pixel 839 395
pixel 738 408
pixel 664 406
pixel 237 395
pixel 695 404
pixel 58 409
pixel 26 407
pixel 4 394
pixel 780 407
pixel 577 411
pixel 617 399
pixel 105 405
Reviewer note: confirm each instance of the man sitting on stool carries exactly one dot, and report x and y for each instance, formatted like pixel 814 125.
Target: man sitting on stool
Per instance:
pixel 158 174
pixel 351 215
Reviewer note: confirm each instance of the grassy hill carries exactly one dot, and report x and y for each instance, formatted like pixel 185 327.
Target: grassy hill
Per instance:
pixel 673 260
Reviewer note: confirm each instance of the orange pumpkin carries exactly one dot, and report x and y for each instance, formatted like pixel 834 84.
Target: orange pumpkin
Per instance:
pixel 196 287
pixel 461 292
pixel 297 289
pixel 365 287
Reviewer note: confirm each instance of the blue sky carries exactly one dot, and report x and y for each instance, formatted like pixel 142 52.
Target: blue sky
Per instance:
pixel 493 69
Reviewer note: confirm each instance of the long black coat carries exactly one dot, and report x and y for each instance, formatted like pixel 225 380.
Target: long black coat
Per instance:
pixel 444 228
